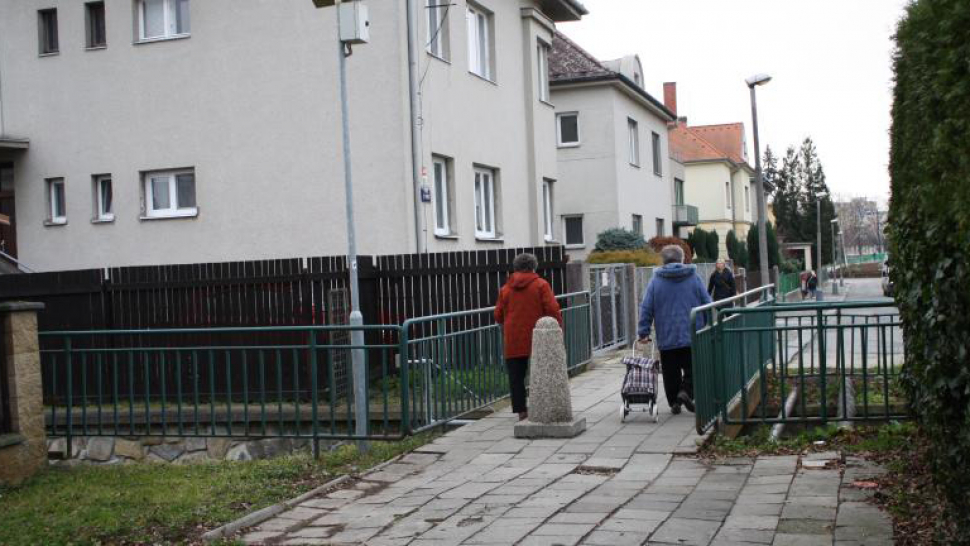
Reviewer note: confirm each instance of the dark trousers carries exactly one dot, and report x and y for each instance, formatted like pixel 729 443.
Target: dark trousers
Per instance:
pixel 517 368
pixel 676 367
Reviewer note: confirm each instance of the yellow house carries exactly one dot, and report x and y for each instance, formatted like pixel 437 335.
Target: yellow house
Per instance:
pixel 718 178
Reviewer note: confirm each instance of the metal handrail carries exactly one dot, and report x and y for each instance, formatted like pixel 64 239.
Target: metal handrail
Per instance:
pixel 723 303
pixel 16 262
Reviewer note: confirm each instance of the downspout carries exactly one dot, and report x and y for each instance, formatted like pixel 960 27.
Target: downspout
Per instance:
pixel 416 153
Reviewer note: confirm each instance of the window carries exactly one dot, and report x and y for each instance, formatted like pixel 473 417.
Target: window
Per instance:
pixel 47 31
pixel 442 196
pixel 567 129
pixel 485 203
pixel 479 42
pixel 747 199
pixel 548 212
pixel 170 194
pixel 660 227
pixel 95 25
pixel 57 203
pixel 727 194
pixel 103 199
pixel 439 33
pixel 678 191
pixel 657 165
pixel 634 142
pixel 573 227
pixel 638 224
pixel 543 66
pixel 161 19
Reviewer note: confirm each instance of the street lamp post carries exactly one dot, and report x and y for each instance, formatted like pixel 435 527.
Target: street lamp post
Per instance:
pixel 752 82
pixel 835 286
pixel 356 317
pixel 818 201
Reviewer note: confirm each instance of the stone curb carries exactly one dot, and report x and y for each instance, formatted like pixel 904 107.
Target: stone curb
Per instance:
pixel 259 516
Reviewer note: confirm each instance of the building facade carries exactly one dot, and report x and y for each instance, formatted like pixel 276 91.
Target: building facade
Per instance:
pixel 614 156
pixel 179 131
pixel 718 179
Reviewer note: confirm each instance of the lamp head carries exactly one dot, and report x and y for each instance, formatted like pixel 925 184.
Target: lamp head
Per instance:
pixel 757 79
pixel 821 195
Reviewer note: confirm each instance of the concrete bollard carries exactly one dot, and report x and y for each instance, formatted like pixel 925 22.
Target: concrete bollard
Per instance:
pixel 550 402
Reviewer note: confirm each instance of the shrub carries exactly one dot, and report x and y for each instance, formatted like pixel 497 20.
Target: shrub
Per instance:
pixel 737 250
pixel 929 232
pixel 658 243
pixel 643 257
pixel 699 242
pixel 754 247
pixel 713 245
pixel 619 239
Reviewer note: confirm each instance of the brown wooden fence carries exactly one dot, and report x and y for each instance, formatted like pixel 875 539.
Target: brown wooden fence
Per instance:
pixel 289 292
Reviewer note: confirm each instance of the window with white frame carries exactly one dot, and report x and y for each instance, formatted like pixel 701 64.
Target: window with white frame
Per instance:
pixel 573 230
pixel 443 195
pixel 634 130
pixel 103 198
pixel 485 203
pixel 657 154
pixel 439 31
pixel 56 201
pixel 747 199
pixel 727 194
pixel 638 224
pixel 170 194
pixel 480 34
pixel 47 31
pixel 161 19
pixel 542 65
pixel 660 227
pixel 678 191
pixel 567 129
pixel 548 211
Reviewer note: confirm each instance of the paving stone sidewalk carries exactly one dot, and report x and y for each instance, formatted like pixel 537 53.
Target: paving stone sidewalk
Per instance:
pixel 616 484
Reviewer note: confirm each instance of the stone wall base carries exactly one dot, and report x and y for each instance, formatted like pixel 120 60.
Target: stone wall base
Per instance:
pixel 109 450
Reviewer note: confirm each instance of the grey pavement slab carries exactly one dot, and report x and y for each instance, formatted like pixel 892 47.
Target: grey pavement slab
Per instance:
pixel 617 484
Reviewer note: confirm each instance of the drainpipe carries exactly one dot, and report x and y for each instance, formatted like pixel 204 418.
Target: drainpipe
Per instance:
pixel 416 154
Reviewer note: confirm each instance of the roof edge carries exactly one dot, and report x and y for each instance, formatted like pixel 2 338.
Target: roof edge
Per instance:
pixel 617 77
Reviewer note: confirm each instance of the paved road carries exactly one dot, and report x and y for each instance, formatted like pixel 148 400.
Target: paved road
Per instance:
pixel 616 484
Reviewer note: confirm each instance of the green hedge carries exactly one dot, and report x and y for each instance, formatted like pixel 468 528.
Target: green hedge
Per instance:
pixel 929 226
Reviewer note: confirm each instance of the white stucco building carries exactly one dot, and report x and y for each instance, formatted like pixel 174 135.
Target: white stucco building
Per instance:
pixel 614 158
pixel 179 131
pixel 718 179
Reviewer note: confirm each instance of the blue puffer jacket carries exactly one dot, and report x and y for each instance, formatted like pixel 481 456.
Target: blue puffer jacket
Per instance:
pixel 673 291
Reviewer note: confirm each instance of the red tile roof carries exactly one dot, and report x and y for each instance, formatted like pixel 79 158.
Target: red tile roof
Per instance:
pixel 727 137
pixel 708 142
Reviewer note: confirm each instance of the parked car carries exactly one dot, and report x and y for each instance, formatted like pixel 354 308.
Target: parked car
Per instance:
pixel 887 283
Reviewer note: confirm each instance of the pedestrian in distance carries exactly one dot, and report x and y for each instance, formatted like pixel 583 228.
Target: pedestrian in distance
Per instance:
pixel 812 284
pixel 525 298
pixel 803 284
pixel 673 291
pixel 721 284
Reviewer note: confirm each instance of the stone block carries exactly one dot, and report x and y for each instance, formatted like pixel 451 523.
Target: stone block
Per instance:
pixel 217 447
pixel 129 449
pixel 531 429
pixel 195 444
pixel 167 452
pixel 100 449
pixel 550 400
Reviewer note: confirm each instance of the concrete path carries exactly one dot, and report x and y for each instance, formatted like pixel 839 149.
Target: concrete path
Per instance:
pixel 616 484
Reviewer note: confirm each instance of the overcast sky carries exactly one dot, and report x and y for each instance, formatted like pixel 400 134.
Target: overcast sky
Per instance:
pixel 831 61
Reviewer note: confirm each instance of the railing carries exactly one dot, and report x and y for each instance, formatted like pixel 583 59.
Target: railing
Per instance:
pixel 457 365
pixel 788 282
pixel 831 362
pixel 866 258
pixel 686 215
pixel 721 364
pixel 292 382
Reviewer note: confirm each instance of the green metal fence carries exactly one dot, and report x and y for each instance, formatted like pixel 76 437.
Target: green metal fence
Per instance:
pixel 721 364
pixel 866 258
pixel 830 362
pixel 456 362
pixel 788 282
pixel 283 381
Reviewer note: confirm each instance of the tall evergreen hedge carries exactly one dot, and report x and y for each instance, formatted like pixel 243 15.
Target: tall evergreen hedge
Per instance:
pixel 929 226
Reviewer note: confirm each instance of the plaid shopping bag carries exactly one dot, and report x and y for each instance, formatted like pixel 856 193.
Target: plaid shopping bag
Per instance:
pixel 641 375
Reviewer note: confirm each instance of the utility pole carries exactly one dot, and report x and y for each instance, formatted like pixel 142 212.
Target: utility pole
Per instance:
pixel 752 82
pixel 345 38
pixel 417 162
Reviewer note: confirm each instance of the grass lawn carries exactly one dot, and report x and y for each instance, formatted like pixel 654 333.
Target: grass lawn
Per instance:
pixel 156 503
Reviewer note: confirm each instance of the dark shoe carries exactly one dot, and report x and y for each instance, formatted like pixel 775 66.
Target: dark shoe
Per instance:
pixel 686 401
pixel 523 415
pixel 675 409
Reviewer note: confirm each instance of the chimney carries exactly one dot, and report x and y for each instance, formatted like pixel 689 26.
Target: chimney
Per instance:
pixel 670 96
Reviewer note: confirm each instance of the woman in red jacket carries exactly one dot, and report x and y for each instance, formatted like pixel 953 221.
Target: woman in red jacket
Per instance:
pixel 524 299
